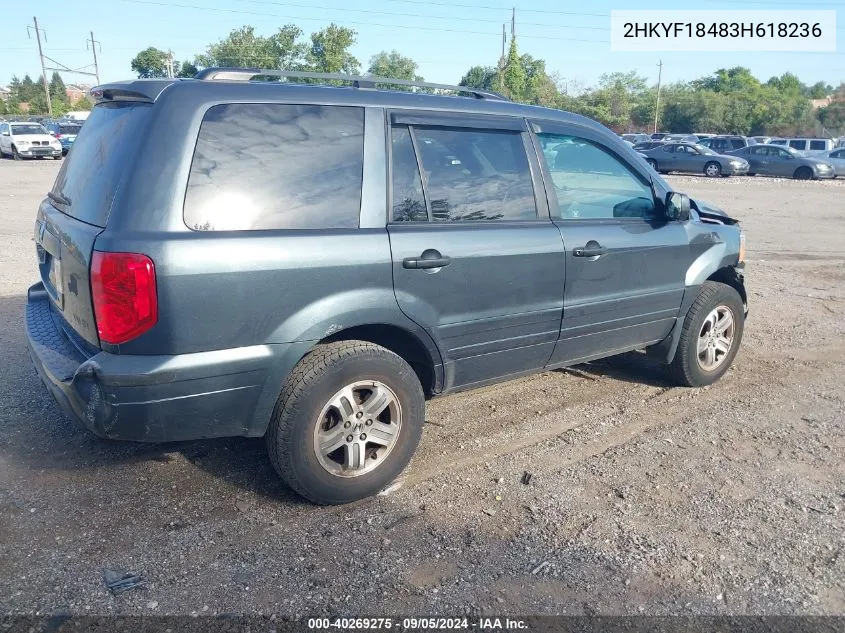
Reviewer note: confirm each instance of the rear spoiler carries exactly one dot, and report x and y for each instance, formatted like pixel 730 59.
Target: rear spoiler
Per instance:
pixel 147 90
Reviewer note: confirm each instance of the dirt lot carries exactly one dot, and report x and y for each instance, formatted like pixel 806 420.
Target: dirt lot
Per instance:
pixel 645 498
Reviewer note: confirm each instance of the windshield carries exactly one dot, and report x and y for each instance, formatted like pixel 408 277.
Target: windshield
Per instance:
pixel 792 151
pixel 69 129
pixel 29 128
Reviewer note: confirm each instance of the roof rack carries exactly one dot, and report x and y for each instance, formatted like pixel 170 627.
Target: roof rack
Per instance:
pixel 365 83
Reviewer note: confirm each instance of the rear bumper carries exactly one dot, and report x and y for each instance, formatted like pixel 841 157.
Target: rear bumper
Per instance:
pixel 153 398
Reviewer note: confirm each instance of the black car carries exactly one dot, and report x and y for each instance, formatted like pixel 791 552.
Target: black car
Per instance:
pixel 223 256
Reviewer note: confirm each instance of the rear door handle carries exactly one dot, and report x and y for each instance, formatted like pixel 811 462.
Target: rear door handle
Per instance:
pixel 429 259
pixel 592 249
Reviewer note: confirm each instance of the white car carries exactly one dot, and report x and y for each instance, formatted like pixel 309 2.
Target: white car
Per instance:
pixel 28 140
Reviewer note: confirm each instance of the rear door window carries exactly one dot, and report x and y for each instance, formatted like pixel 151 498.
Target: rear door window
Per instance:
pixel 103 154
pixel 475 175
pixel 737 143
pixel 276 166
pixel 796 144
pixel 818 145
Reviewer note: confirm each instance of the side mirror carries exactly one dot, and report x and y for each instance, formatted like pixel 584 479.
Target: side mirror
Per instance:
pixel 677 206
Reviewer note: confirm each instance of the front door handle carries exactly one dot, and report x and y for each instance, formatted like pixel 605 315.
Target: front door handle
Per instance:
pixel 592 249
pixel 429 259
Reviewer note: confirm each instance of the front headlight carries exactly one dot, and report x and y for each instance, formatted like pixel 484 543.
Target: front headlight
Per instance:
pixel 741 246
pixel 22 143
pixel 737 163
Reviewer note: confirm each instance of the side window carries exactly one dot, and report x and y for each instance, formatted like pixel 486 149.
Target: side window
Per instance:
pixel 797 144
pixel 668 149
pixel 593 183
pixel 408 199
pixel 780 153
pixel 838 154
pixel 818 145
pixel 276 166
pixel 758 151
pixel 476 175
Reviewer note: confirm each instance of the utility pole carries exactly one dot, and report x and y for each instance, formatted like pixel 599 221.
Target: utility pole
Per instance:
pixel 513 22
pixel 502 60
pixel 657 106
pixel 43 69
pixel 94 50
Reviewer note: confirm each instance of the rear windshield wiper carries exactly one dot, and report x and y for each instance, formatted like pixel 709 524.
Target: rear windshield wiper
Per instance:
pixel 59 198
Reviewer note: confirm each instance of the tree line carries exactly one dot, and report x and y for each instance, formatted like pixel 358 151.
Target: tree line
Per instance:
pixel 728 101
pixel 31 92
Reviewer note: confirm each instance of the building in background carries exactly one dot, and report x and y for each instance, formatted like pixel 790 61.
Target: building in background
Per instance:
pixel 75 92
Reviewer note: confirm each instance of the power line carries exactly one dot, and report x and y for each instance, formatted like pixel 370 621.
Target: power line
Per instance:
pixel 500 8
pixel 421 15
pixel 366 24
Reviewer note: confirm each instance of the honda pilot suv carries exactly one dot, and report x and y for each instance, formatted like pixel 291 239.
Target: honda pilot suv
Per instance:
pixel 222 256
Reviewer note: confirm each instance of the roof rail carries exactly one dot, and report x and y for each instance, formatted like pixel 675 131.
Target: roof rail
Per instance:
pixel 247 74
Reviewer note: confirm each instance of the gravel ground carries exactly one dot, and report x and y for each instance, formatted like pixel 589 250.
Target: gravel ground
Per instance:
pixel 644 498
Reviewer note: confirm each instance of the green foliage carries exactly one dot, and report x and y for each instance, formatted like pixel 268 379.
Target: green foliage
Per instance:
pixel 513 82
pixel 187 69
pixel 329 52
pixel 393 65
pixel 481 77
pixel 150 62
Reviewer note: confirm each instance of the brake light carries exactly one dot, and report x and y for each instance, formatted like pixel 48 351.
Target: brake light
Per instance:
pixel 123 288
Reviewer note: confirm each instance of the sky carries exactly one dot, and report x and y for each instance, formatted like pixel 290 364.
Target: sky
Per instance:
pixel 444 37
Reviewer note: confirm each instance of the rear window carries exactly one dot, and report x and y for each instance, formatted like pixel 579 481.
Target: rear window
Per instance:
pixel 818 145
pixel 69 129
pixel 93 171
pixel 276 166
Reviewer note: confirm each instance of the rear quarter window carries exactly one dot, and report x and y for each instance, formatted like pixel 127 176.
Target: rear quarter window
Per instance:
pixel 818 145
pixel 276 166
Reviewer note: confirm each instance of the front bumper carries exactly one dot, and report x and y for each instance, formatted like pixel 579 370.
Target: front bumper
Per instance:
pixel 148 398
pixel 48 152
pixel 825 175
pixel 742 170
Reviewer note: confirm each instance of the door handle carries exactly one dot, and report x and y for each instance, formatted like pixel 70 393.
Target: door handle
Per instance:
pixel 592 249
pixel 429 259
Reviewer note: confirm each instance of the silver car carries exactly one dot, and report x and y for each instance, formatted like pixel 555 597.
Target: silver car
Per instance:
pixel 837 159
pixel 776 160
pixel 694 159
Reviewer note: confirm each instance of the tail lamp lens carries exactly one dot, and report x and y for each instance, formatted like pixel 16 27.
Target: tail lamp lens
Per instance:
pixel 123 288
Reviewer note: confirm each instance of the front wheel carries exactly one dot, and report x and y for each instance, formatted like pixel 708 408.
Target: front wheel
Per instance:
pixel 711 335
pixel 803 173
pixel 712 170
pixel 346 423
pixel 652 163
pixel 15 154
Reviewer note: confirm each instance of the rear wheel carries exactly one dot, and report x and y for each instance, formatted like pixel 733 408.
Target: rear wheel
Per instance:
pixel 712 170
pixel 803 173
pixel 346 423
pixel 710 337
pixel 653 163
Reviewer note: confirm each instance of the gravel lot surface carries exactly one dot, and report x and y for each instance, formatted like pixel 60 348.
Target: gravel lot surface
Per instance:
pixel 644 498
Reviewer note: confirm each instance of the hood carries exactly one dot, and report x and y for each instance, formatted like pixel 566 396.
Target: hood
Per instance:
pixel 711 213
pixel 29 138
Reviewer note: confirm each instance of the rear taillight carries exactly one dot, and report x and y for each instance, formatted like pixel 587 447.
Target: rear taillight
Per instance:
pixel 123 287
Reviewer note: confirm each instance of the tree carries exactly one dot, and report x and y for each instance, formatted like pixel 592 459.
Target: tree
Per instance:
pixel 329 52
pixel 243 48
pixel 513 74
pixel 393 65
pixel 57 87
pixel 480 77
pixel 187 69
pixel 150 62
pixel 819 90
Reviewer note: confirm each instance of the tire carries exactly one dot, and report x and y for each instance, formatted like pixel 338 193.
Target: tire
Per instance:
pixel 803 173
pixel 653 163
pixel 751 173
pixel 712 169
pixel 688 368
pixel 15 154
pixel 304 412
pixel 57 157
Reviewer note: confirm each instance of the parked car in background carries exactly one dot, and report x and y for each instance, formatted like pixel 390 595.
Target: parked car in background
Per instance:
pixel 79 116
pixel 680 138
pixel 701 137
pixel 658 136
pixel 64 131
pixel 761 140
pixel 222 256
pixel 837 159
pixel 773 160
pixel 28 140
pixel 641 147
pixel 811 146
pixel 636 138
pixel 724 144
pixel 694 159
